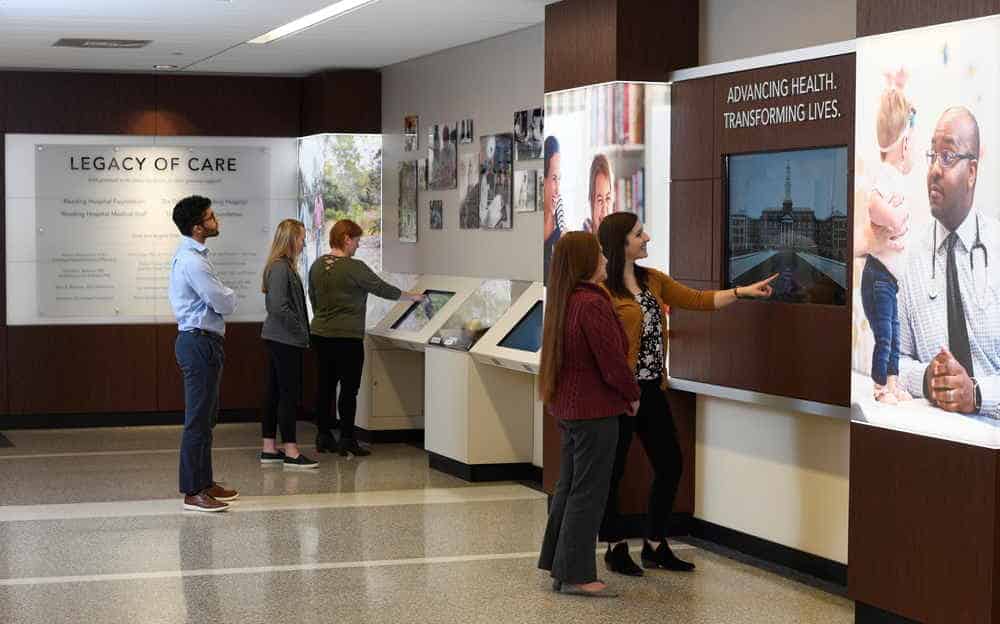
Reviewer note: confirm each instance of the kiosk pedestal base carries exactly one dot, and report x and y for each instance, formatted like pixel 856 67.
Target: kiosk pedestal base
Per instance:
pixel 924 521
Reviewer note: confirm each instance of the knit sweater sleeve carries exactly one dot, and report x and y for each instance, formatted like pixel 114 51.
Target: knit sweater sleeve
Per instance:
pixel 606 340
pixel 367 280
pixel 673 293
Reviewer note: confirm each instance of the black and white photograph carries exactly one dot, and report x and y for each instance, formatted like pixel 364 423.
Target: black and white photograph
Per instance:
pixel 529 132
pixel 465 131
pixel 442 157
pixel 408 201
pixel 525 190
pixel 539 189
pixel 422 174
pixel 437 214
pixel 411 133
pixel 468 191
pixel 496 178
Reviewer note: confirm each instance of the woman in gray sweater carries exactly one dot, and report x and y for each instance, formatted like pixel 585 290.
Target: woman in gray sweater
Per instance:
pixel 339 286
pixel 286 334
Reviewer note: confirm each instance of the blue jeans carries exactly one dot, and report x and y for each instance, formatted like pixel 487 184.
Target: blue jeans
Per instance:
pixel 878 297
pixel 200 357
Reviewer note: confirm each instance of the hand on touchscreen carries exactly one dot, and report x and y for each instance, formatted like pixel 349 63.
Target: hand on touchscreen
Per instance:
pixel 761 289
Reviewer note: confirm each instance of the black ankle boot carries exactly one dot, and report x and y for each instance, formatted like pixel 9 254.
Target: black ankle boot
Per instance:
pixel 618 560
pixel 325 442
pixel 350 445
pixel 663 558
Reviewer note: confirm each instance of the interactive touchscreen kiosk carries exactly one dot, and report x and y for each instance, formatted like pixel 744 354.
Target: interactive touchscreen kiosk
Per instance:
pixel 515 341
pixel 480 418
pixel 527 334
pixel 420 313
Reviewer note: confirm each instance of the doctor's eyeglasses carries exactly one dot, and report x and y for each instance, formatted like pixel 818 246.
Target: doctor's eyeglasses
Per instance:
pixel 948 158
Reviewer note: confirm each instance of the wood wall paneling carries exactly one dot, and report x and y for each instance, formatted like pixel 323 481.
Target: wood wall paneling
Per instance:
pixel 692 130
pixel 580 43
pixel 4 408
pixel 656 38
pixel 923 518
pixel 882 16
pixel 228 106
pixel 816 133
pixel 88 368
pixel 244 376
pixel 76 103
pixel 690 338
pixel 342 101
pixel 791 350
pixel 691 229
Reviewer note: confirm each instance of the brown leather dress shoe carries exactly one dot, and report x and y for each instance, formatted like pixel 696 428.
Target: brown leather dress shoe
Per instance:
pixel 220 493
pixel 204 502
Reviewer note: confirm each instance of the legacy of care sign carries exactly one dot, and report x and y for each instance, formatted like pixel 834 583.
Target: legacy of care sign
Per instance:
pixel 814 98
pixel 105 236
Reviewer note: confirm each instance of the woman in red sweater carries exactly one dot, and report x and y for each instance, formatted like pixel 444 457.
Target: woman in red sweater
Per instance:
pixel 586 383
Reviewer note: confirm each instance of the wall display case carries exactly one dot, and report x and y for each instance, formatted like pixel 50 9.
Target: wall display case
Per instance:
pixel 478 314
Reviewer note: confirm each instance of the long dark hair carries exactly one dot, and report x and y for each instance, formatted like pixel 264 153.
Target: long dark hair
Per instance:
pixel 574 260
pixel 613 234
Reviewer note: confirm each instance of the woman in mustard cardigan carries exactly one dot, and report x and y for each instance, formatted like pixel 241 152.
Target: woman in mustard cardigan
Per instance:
pixel 639 295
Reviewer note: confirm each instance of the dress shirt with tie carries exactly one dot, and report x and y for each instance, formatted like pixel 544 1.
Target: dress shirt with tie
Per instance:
pixel 198 298
pixel 923 305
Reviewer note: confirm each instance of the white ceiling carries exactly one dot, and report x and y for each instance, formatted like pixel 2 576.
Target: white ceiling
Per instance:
pixel 209 34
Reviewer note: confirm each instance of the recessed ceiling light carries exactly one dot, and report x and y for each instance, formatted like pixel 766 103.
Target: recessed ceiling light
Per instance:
pixel 308 21
pixel 164 67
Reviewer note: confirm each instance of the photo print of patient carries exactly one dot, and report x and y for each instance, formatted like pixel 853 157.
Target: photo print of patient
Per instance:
pixel 926 308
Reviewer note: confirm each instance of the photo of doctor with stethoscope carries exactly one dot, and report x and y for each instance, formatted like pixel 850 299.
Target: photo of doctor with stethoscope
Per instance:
pixel 925 320
pixel 949 314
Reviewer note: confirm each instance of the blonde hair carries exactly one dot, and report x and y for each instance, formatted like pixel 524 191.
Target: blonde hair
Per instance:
pixel 283 247
pixel 894 111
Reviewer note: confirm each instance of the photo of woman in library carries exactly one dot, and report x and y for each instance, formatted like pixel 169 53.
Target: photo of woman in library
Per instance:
pixel 640 296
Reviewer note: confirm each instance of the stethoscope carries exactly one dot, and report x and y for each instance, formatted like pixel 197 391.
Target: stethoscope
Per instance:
pixel 976 245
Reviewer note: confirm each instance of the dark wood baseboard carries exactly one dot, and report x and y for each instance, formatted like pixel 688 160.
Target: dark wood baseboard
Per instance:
pixel 867 614
pixel 124 419
pixel 484 472
pixel 811 565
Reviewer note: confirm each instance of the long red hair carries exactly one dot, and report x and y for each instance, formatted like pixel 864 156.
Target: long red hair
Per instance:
pixel 574 260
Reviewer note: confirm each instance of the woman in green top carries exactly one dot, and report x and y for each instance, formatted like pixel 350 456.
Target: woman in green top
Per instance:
pixel 339 287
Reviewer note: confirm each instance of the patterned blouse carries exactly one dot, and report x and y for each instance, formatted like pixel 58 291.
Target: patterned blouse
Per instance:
pixel 651 358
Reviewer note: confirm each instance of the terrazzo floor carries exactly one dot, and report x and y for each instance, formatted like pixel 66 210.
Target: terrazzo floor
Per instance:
pixel 91 530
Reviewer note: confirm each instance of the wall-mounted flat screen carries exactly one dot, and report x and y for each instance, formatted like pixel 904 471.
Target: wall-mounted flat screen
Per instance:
pixel 419 313
pixel 527 334
pixel 787 214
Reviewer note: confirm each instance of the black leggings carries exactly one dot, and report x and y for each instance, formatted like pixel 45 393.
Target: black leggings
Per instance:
pixel 284 385
pixel 340 362
pixel 655 426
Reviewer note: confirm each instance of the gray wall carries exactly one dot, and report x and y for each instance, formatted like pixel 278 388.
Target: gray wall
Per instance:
pixel 486 81
pixel 735 29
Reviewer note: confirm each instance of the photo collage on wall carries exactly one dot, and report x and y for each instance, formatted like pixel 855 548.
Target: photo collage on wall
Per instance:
pixel 489 189
pixel 926 301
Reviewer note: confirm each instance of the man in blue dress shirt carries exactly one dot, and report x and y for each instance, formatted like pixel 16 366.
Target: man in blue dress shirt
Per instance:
pixel 199 301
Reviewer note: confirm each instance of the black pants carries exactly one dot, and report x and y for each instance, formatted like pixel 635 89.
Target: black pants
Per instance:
pixel 284 386
pixel 340 362
pixel 586 456
pixel 655 426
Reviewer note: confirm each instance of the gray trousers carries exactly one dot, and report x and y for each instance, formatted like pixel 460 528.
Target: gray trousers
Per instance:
pixel 587 455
